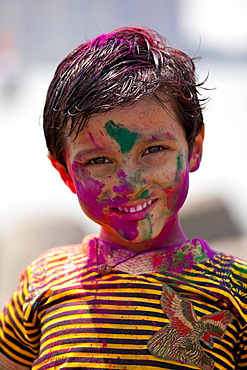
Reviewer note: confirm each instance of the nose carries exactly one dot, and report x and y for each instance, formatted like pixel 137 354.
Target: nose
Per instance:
pixel 129 183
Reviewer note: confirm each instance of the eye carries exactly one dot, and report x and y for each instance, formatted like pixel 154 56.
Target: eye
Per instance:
pixel 154 149
pixel 99 160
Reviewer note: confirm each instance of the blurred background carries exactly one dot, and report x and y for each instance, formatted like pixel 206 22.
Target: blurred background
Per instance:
pixel 37 211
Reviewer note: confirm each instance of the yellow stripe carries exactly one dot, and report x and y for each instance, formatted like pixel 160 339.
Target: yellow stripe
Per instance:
pixel 111 355
pixel 105 307
pixel 205 294
pixel 107 326
pixel 7 364
pixel 224 350
pixel 14 346
pixel 71 278
pixel 61 319
pixel 217 355
pixel 17 307
pixel 243 357
pixel 126 357
pixel 106 316
pixel 222 367
pixel 105 298
pixel 240 264
pixel 203 279
pixel 95 345
pixel 18 358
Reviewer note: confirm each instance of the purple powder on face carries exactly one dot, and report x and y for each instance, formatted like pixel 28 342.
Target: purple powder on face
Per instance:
pixel 88 190
pixel 125 187
pixel 127 230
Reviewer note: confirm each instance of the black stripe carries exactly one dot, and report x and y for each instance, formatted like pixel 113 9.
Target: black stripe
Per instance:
pixel 93 330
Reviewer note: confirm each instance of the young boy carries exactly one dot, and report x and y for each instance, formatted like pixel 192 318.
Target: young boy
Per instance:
pixel 124 129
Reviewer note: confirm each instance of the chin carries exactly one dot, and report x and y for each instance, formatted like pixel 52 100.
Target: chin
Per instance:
pixel 139 237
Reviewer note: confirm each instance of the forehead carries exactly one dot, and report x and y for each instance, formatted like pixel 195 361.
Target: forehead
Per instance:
pixel 140 116
pixel 145 119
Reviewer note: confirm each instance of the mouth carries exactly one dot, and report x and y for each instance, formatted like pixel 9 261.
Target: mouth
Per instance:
pixel 136 209
pixel 133 209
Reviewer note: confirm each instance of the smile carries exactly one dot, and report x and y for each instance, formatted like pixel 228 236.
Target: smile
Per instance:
pixel 133 209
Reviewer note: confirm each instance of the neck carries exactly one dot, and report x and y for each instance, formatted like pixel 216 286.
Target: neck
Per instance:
pixel 171 234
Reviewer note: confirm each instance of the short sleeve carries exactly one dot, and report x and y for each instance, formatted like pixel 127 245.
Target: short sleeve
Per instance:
pixel 238 282
pixel 19 332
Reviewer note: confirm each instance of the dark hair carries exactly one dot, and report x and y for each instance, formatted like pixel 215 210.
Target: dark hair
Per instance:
pixel 121 67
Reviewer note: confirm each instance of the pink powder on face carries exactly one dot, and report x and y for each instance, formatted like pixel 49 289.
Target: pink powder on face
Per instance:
pixel 88 189
pixel 127 230
pixel 93 141
pixel 125 187
pixel 177 194
pixel 91 197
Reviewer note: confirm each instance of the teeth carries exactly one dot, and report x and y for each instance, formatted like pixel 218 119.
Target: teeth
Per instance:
pixel 137 208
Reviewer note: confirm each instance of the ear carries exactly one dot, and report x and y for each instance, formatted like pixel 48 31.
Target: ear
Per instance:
pixel 196 155
pixel 63 173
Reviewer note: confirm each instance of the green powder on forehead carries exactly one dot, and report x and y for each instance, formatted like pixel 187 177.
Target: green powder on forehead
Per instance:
pixel 122 135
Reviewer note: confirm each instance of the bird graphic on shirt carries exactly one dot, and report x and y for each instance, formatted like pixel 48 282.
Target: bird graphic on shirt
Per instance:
pixel 180 340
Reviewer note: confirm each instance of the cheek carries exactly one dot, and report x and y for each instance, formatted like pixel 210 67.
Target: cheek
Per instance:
pixel 177 191
pixel 95 202
pixel 88 190
pixel 93 194
pixel 176 195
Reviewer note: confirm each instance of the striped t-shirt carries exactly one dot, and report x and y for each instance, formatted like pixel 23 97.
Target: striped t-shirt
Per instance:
pixel 181 307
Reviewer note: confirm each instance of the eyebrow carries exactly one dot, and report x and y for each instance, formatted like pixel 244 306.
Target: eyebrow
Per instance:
pixel 160 136
pixel 89 152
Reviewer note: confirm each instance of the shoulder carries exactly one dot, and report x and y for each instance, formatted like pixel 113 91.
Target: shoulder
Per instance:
pixel 232 264
pixel 58 255
pixel 238 273
pixel 53 265
pixel 234 273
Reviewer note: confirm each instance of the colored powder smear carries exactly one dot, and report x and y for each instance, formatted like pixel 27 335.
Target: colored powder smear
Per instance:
pixel 122 135
pixel 179 162
pixel 93 140
pixel 127 184
pixel 148 233
pixel 125 187
pixel 144 194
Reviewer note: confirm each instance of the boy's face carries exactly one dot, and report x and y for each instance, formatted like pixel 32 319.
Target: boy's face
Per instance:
pixel 130 170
